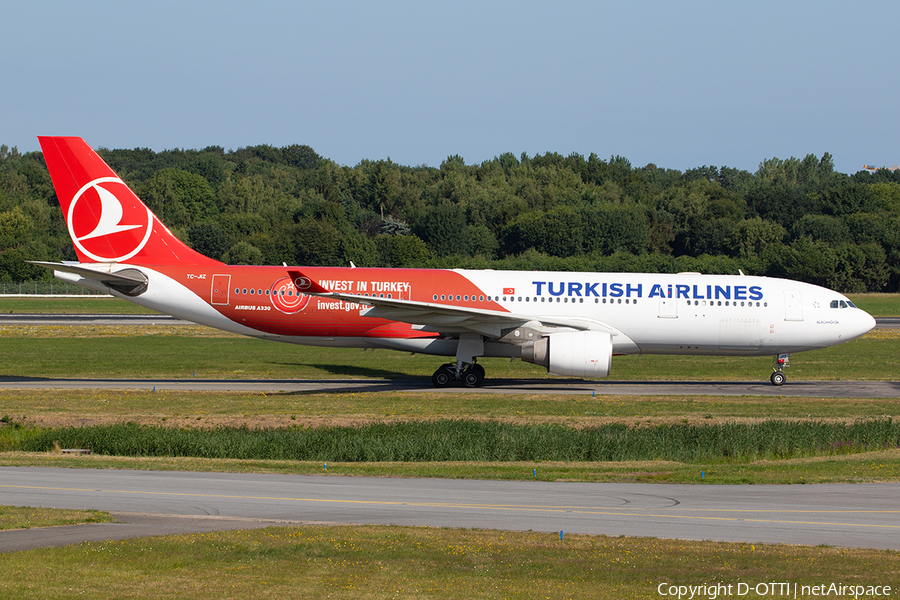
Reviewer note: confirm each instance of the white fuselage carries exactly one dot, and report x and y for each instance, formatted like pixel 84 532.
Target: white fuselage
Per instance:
pixel 688 313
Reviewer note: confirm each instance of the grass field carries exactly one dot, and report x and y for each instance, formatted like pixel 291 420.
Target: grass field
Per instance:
pixel 68 305
pixel 192 351
pixel 17 517
pixel 22 409
pixel 378 562
pixel 405 562
pixel 878 305
pixel 176 351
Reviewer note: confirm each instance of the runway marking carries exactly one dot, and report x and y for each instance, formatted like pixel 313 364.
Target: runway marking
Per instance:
pixel 607 511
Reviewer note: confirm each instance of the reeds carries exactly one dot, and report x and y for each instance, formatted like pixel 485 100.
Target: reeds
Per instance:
pixel 488 441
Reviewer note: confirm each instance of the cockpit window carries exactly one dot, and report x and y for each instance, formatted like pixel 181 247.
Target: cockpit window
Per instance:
pixel 834 304
pixel 851 304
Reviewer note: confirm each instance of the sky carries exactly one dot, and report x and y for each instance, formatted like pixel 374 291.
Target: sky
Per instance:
pixel 676 84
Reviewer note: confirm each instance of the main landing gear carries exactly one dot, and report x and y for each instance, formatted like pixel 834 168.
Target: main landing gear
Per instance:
pixel 465 370
pixel 781 362
pixel 458 373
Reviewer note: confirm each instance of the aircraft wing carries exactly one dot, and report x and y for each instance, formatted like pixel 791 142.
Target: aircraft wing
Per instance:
pixel 444 318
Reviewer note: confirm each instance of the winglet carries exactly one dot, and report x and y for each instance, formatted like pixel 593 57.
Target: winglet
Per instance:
pixel 305 284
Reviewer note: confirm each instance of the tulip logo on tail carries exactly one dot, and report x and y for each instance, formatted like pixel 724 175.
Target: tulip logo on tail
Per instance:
pixel 102 226
pixel 286 296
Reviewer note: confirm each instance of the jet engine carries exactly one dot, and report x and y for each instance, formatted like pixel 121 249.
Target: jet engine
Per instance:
pixel 576 354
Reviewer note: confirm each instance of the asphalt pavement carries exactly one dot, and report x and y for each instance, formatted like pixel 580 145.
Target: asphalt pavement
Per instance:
pixel 792 389
pixel 157 502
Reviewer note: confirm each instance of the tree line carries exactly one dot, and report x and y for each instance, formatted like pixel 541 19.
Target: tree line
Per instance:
pixel 794 218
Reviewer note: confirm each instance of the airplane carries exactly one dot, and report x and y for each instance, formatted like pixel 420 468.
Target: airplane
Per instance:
pixel 571 323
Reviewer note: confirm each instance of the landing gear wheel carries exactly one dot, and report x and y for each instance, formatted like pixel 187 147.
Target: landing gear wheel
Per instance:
pixel 778 378
pixel 473 376
pixel 443 377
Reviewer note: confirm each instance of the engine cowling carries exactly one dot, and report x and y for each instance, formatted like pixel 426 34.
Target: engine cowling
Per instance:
pixel 574 354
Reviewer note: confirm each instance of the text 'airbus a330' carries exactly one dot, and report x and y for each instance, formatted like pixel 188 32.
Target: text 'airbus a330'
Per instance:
pixel 570 323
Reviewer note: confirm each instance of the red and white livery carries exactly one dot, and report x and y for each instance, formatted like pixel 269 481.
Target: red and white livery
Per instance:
pixel 570 323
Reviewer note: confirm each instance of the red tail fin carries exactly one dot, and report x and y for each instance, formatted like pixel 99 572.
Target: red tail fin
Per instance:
pixel 106 220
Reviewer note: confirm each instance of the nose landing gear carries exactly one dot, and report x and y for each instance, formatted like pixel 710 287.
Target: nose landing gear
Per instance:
pixel 781 362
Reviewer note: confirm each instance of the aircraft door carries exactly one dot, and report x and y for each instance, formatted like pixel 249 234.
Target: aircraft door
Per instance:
pixel 739 334
pixel 221 284
pixel 793 307
pixel 668 308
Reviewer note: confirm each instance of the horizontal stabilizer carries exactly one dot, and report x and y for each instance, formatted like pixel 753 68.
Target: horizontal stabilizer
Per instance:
pixel 128 281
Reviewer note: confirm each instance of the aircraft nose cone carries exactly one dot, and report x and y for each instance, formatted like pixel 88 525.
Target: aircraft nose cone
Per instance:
pixel 864 323
pixel 869 322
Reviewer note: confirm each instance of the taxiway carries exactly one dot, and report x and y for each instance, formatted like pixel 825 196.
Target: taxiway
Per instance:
pixel 145 502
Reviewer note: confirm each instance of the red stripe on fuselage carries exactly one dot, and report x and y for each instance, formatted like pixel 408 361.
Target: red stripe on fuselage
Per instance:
pixel 251 299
